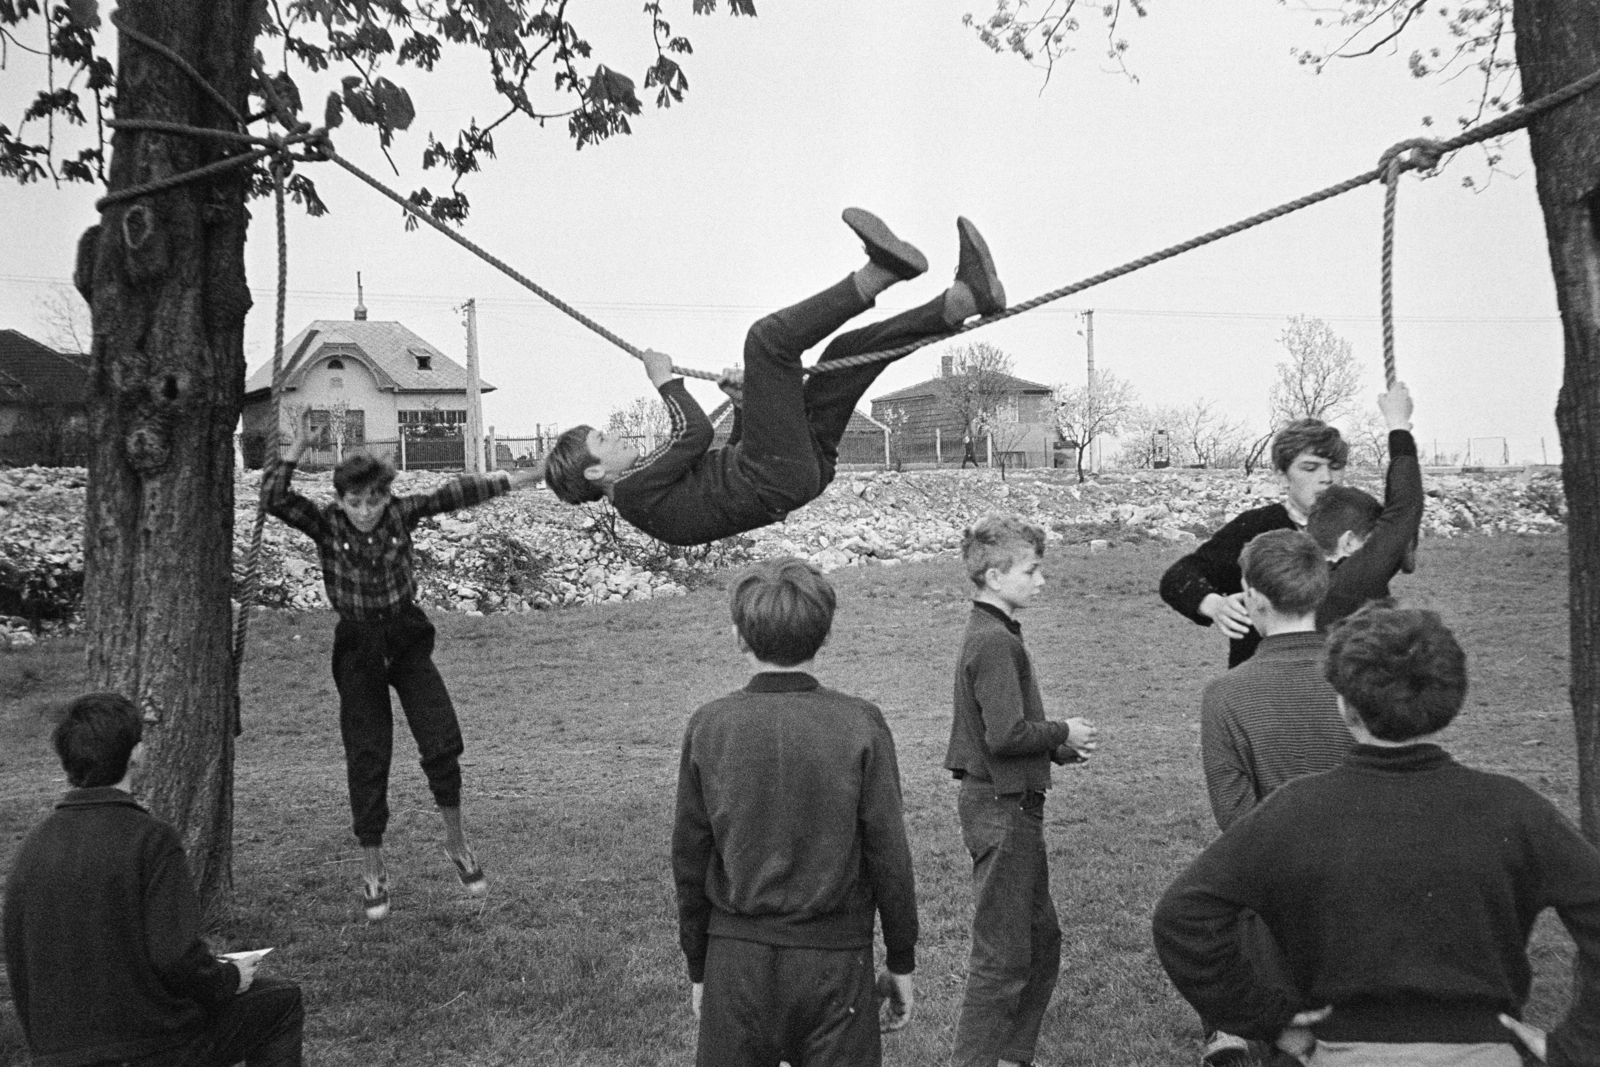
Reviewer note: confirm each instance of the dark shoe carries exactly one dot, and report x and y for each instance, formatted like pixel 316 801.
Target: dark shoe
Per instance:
pixel 885 249
pixel 976 269
pixel 375 899
pixel 1223 1048
pixel 471 874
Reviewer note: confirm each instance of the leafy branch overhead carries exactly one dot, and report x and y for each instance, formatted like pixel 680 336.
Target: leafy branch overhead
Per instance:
pixel 540 65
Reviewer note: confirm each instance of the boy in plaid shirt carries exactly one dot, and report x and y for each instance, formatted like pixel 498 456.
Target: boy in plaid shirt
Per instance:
pixel 383 639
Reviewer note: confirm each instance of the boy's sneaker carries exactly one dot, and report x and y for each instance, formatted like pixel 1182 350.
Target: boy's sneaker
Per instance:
pixel 1224 1048
pixel 375 899
pixel 898 257
pixel 470 873
pixel 976 270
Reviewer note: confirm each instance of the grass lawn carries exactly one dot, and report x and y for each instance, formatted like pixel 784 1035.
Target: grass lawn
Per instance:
pixel 573 721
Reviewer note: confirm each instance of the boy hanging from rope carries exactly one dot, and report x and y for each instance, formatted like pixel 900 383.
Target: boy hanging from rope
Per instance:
pixel 787 427
pixel 384 640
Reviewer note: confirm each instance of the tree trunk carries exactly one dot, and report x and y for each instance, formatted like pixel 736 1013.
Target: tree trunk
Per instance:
pixel 1558 41
pixel 164 274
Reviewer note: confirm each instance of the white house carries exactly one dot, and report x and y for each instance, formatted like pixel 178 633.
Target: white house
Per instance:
pixel 362 380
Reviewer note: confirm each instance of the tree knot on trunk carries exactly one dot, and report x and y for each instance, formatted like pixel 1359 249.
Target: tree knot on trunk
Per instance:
pixel 148 445
pixel 144 248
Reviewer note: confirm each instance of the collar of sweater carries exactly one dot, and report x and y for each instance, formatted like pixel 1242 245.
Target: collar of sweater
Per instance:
pixel 1010 621
pixel 782 682
pixel 1292 643
pixel 1409 759
pixel 100 794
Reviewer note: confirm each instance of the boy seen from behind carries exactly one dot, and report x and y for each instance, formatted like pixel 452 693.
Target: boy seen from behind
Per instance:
pixel 1001 748
pixel 788 841
pixel 1368 543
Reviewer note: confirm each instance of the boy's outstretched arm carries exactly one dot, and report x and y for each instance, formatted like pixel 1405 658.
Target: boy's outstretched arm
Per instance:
pixel 279 500
pixel 1381 555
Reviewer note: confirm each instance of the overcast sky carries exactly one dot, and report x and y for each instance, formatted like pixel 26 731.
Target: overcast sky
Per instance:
pixel 723 208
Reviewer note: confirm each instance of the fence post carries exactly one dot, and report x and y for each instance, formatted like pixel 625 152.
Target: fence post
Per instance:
pixel 491 464
pixel 989 447
pixel 938 448
pixel 403 449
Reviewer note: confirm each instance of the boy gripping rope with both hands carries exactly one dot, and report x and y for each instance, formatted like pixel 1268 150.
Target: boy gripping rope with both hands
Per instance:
pixel 384 640
pixel 1001 748
pixel 789 840
pixel 787 427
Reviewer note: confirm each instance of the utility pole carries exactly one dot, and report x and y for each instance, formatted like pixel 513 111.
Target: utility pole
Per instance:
pixel 1088 339
pixel 474 442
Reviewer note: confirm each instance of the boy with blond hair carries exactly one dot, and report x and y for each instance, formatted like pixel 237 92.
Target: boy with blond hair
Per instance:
pixel 789 840
pixel 1001 748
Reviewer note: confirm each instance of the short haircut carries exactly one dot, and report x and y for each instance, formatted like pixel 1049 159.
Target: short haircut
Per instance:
pixel 1309 435
pixel 1401 669
pixel 998 541
pixel 563 468
pixel 1288 568
pixel 783 609
pixel 95 737
pixel 1341 508
pixel 360 472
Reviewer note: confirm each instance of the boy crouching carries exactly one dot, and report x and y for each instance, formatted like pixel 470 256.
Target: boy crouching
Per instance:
pixel 789 838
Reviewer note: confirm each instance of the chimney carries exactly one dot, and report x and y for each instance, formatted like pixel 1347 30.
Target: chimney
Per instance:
pixel 361 308
pixel 947 363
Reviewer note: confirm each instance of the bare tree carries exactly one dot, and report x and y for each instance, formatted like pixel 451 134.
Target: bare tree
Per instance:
pixel 1369 440
pixel 1211 439
pixel 1320 378
pixel 979 382
pixel 1146 430
pixel 67 327
pixel 1093 410
pixel 644 416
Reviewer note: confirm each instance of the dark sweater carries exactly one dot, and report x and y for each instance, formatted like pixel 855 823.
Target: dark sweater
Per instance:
pixel 1402 889
pixel 1267 721
pixel 789 829
pixel 102 936
pixel 999 733
pixel 1364 574
pixel 1214 568
pixel 685 492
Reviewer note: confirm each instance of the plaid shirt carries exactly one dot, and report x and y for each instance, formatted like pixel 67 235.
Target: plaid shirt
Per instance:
pixel 369 575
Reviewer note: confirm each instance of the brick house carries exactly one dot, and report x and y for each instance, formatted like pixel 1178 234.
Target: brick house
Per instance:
pixel 43 404
pixel 928 428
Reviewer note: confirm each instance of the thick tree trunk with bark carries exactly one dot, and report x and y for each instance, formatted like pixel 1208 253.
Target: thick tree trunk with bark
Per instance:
pixel 164 275
pixel 1558 41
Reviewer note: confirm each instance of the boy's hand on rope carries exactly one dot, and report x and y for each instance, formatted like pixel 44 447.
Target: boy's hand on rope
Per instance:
pixel 732 383
pixel 1228 612
pixel 658 365
pixel 1396 406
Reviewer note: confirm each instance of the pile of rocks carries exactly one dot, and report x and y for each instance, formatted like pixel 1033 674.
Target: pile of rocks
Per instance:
pixel 527 551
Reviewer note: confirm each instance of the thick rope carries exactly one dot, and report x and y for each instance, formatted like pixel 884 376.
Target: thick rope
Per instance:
pixel 250 584
pixel 182 64
pixel 172 181
pixel 500 265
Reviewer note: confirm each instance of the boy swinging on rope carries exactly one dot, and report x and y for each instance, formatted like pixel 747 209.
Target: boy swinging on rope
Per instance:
pixel 787 427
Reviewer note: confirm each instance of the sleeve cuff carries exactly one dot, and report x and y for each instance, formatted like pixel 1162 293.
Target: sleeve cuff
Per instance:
pixel 903 961
pixel 1401 443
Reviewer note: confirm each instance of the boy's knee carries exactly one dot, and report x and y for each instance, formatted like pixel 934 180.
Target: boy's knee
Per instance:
pixel 770 336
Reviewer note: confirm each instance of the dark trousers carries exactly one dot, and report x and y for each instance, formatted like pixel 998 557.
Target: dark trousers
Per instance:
pixel 260 1027
pixel 766 1004
pixel 368 658
pixel 791 425
pixel 1016 939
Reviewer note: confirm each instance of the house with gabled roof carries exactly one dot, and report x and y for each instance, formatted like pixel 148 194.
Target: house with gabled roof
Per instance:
pixel 865 440
pixel 365 381
pixel 43 403
pixel 929 428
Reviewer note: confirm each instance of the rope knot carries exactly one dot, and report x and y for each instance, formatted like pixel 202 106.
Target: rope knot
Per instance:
pixel 1416 153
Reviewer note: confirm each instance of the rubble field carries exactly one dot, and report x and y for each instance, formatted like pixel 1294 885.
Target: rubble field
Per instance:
pixel 528 552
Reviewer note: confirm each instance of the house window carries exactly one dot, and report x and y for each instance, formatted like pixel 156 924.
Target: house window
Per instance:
pixel 350 423
pixel 336 364
pixel 445 420
pixel 424 362
pixel 336 382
